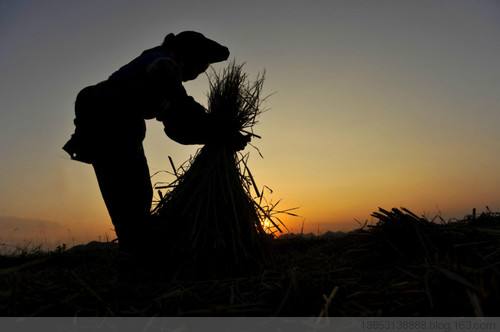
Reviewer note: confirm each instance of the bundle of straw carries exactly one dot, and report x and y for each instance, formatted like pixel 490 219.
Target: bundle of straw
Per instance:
pixel 214 224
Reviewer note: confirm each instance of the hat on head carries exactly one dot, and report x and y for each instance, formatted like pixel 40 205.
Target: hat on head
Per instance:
pixel 192 45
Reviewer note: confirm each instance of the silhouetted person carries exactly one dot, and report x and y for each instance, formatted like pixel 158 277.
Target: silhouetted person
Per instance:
pixel 110 126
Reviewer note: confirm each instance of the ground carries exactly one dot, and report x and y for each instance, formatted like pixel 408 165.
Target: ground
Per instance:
pixel 402 266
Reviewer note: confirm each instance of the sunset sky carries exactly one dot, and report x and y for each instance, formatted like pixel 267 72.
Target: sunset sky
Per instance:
pixel 377 103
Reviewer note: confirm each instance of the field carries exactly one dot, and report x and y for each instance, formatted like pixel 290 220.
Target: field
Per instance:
pixel 404 265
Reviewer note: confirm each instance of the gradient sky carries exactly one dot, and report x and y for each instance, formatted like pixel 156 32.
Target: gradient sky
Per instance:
pixel 378 103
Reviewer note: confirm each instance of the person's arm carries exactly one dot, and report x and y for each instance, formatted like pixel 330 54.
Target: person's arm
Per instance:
pixel 185 120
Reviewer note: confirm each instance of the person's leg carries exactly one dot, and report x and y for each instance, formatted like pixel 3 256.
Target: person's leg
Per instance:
pixel 125 186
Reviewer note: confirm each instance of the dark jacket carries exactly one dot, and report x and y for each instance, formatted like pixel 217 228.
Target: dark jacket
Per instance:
pixel 110 115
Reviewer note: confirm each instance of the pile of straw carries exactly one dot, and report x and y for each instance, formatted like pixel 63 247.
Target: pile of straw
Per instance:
pixel 214 224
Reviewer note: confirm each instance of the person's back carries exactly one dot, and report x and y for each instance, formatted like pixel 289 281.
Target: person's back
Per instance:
pixel 110 115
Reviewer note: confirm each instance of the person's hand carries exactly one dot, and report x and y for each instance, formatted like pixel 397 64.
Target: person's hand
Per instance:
pixel 240 141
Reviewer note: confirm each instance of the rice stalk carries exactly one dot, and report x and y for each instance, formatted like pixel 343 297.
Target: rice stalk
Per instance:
pixel 212 222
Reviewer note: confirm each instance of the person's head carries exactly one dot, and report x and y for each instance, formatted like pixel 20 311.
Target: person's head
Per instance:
pixel 194 52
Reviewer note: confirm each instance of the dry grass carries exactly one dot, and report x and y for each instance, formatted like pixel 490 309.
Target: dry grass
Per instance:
pixel 209 216
pixel 404 265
